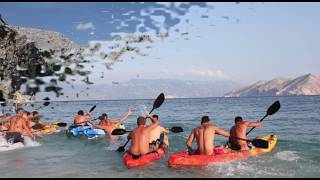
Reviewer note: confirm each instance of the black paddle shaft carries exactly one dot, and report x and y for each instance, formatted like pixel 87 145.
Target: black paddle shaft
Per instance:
pixel 157 103
pixel 271 110
pixel 260 121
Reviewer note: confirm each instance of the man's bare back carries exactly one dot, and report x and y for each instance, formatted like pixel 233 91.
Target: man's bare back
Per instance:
pixel 204 136
pixel 140 136
pixel 239 130
pixel 80 119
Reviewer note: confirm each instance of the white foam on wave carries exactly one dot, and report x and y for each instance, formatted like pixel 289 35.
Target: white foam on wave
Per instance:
pixel 30 143
pixel 287 155
pixel 5 146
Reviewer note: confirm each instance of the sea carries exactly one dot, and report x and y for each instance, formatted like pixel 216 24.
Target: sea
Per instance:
pixel 297 153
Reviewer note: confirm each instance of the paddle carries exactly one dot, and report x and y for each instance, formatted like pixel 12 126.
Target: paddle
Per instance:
pixel 156 104
pixel 123 131
pixel 271 110
pixel 259 143
pixel 44 104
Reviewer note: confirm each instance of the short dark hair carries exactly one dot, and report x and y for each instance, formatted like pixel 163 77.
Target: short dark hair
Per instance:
pixel 237 119
pixel 141 120
pixel 104 115
pixel 34 113
pixel 80 112
pixel 155 116
pixel 205 119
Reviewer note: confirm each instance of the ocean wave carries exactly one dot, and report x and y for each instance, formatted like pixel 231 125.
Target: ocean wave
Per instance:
pixel 287 155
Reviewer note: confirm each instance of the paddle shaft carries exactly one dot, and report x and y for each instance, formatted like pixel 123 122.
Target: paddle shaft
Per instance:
pixel 260 121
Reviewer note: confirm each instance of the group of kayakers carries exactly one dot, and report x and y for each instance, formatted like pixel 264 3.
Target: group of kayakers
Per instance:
pixel 23 123
pixel 146 139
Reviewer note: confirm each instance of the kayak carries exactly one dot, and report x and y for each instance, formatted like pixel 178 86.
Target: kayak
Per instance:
pixel 183 159
pixel 144 160
pixel 48 129
pixel 89 131
pixel 94 133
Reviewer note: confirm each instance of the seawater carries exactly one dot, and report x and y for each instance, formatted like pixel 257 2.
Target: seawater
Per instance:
pixel 297 125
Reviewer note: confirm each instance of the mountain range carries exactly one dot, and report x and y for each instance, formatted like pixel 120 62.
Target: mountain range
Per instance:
pixel 308 84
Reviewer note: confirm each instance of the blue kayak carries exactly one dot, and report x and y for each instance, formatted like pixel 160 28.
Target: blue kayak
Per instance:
pixel 89 131
pixel 94 133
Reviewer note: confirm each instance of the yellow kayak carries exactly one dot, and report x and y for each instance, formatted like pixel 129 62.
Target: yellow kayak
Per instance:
pixel 49 129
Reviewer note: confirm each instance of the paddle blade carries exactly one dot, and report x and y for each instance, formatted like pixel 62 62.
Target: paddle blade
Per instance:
pixel 273 108
pixel 46 103
pixel 176 129
pixel 121 149
pixel 158 102
pixel 260 143
pixel 92 108
pixel 118 132
pixel 61 124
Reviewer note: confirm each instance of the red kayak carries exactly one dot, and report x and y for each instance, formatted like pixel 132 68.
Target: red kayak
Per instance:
pixel 143 160
pixel 183 159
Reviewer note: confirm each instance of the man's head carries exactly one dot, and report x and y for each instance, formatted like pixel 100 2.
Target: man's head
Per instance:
pixel 19 110
pixel 237 119
pixel 80 112
pixel 25 114
pixel 141 121
pixel 155 116
pixel 205 119
pixel 103 116
pixel 34 113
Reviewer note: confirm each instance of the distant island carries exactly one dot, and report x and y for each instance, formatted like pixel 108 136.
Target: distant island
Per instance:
pixel 308 84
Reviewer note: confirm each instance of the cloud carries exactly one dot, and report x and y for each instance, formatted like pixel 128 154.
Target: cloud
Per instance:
pixel 85 26
pixel 208 73
pixel 196 73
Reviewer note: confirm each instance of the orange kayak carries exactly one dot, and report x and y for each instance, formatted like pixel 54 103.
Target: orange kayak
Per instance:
pixel 143 160
pixel 183 159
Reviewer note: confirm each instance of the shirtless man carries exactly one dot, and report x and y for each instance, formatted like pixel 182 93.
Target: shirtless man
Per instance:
pixel 80 119
pixel 204 136
pixel 34 121
pixel 5 123
pixel 19 127
pixel 109 125
pixel 140 136
pixel 239 130
pixel 158 137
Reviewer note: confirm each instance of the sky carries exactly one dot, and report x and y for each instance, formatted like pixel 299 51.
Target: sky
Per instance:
pixel 240 42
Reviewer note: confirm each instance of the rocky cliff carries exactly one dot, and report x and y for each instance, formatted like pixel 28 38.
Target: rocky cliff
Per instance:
pixel 308 84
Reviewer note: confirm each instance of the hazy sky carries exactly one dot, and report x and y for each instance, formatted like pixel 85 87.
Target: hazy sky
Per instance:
pixel 243 42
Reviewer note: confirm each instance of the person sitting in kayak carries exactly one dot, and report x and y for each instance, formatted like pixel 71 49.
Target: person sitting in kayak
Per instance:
pixel 204 136
pixel 159 137
pixel 19 127
pixel 239 130
pixel 80 119
pixel 140 136
pixel 109 125
pixel 34 121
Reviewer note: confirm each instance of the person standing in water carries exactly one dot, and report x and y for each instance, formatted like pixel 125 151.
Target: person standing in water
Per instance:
pixel 108 125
